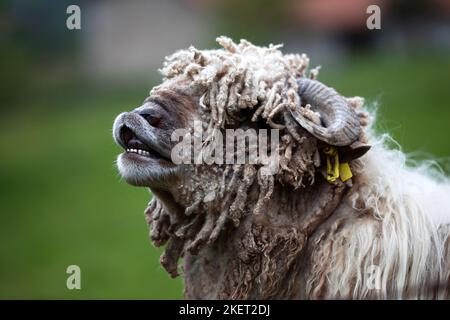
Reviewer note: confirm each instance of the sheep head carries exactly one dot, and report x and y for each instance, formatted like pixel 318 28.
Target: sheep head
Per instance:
pixel 240 86
pixel 145 135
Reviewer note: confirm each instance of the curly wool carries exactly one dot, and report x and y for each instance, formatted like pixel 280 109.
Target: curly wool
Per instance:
pixel 241 76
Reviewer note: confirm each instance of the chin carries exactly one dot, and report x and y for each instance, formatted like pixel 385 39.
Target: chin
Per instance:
pixel 143 171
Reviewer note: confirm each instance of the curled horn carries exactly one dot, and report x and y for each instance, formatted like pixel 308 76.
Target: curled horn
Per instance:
pixel 339 122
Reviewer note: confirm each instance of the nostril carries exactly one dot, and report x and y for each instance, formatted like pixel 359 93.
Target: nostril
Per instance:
pixel 152 119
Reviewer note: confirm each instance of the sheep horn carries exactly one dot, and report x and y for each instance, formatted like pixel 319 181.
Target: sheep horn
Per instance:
pixel 340 124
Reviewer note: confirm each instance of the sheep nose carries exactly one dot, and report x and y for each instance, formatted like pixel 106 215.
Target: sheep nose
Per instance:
pixel 153 119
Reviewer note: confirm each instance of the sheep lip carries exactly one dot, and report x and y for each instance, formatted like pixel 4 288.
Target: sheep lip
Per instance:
pixel 135 146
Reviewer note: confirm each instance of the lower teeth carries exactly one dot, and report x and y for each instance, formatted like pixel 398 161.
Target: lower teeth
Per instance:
pixel 138 151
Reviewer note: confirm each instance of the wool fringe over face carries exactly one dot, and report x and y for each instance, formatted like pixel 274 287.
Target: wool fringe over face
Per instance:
pixel 383 234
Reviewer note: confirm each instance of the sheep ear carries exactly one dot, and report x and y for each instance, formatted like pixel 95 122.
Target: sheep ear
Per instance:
pixel 354 151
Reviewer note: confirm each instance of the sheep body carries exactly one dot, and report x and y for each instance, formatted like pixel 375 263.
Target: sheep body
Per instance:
pixel 383 234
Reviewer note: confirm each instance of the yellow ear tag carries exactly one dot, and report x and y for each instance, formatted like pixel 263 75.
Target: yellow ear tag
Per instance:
pixel 345 171
pixel 335 169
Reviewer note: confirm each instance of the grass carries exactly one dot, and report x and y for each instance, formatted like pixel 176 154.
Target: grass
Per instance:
pixel 63 203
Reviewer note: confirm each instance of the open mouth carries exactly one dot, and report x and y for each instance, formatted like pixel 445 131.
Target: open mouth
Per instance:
pixel 133 145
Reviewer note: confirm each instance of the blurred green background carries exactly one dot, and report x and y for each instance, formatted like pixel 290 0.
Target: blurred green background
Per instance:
pixel 62 201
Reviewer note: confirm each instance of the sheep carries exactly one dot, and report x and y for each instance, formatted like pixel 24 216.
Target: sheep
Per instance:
pixel 342 216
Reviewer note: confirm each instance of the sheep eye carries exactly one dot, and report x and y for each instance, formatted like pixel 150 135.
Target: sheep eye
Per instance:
pixel 153 120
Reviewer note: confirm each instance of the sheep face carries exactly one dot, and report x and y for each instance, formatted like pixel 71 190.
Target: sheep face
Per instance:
pixel 145 135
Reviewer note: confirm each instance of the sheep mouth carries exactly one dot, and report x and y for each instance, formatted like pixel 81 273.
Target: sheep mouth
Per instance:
pixel 135 147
